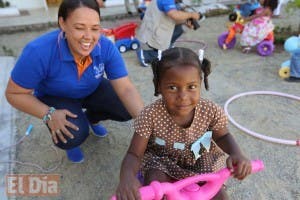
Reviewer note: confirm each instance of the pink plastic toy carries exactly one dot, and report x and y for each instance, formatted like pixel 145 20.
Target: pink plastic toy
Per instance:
pixel 187 189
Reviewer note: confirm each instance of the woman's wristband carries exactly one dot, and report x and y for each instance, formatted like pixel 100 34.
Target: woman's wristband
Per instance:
pixel 47 116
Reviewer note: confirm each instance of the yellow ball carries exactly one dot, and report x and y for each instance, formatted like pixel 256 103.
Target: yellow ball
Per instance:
pixel 284 72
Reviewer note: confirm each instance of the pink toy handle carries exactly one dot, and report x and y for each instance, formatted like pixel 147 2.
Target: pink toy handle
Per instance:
pixel 187 189
pixel 214 182
pixel 257 165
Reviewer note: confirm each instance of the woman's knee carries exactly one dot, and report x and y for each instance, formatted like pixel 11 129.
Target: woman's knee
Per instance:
pixel 74 106
pixel 79 136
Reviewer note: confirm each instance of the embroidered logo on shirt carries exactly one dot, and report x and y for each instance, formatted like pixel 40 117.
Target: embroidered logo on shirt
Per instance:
pixel 205 140
pixel 98 70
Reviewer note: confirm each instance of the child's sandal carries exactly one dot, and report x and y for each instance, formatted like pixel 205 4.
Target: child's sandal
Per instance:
pixel 246 50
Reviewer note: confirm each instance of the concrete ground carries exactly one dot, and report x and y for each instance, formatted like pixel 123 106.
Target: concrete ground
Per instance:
pixel 7 124
pixel 232 73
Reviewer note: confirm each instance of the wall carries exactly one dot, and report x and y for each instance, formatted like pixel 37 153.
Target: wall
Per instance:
pixel 27 4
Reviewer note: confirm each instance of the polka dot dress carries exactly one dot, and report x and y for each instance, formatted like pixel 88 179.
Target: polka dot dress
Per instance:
pixel 169 146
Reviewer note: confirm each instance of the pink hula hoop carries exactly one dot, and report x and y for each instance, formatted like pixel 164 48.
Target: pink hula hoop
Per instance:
pixel 255 134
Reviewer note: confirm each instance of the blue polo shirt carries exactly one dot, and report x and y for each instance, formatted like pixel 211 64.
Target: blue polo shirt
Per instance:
pixel 47 66
pixel 166 5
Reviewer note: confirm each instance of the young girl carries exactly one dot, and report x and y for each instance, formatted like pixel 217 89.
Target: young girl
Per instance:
pixel 167 131
pixel 260 25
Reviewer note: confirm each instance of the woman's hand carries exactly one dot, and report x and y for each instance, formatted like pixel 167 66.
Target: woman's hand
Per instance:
pixel 24 100
pixel 59 123
pixel 239 166
pixel 189 24
pixel 128 188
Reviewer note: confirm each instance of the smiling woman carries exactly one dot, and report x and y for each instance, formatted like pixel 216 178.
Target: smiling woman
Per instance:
pixel 61 73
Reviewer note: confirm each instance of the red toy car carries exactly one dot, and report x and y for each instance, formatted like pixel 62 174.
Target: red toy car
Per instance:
pixel 123 37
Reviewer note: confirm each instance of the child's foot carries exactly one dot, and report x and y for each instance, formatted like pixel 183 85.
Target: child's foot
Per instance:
pixel 224 46
pixel 246 50
pixel 75 155
pixel 99 130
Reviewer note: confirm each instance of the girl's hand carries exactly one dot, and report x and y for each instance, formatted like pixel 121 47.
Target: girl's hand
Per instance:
pixel 59 123
pixel 128 188
pixel 239 166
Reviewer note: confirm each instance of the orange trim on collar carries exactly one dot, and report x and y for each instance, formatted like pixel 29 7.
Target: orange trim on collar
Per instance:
pixel 81 66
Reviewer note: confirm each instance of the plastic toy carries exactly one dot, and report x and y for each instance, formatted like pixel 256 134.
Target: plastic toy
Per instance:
pixel 188 189
pixel 227 40
pixel 291 45
pixel 123 37
pixel 255 134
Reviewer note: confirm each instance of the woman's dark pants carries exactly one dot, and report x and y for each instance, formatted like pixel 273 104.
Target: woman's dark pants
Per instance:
pixel 102 104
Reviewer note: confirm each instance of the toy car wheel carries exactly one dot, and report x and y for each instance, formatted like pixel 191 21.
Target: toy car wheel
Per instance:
pixel 265 48
pixel 232 16
pixel 122 48
pixel 222 38
pixel 284 72
pixel 134 46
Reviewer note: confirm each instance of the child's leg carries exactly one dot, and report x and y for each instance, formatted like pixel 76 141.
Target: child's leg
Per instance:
pixel 127 6
pixel 221 195
pixel 156 175
pixel 136 4
pixel 246 49
pixel 276 12
pixel 231 35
